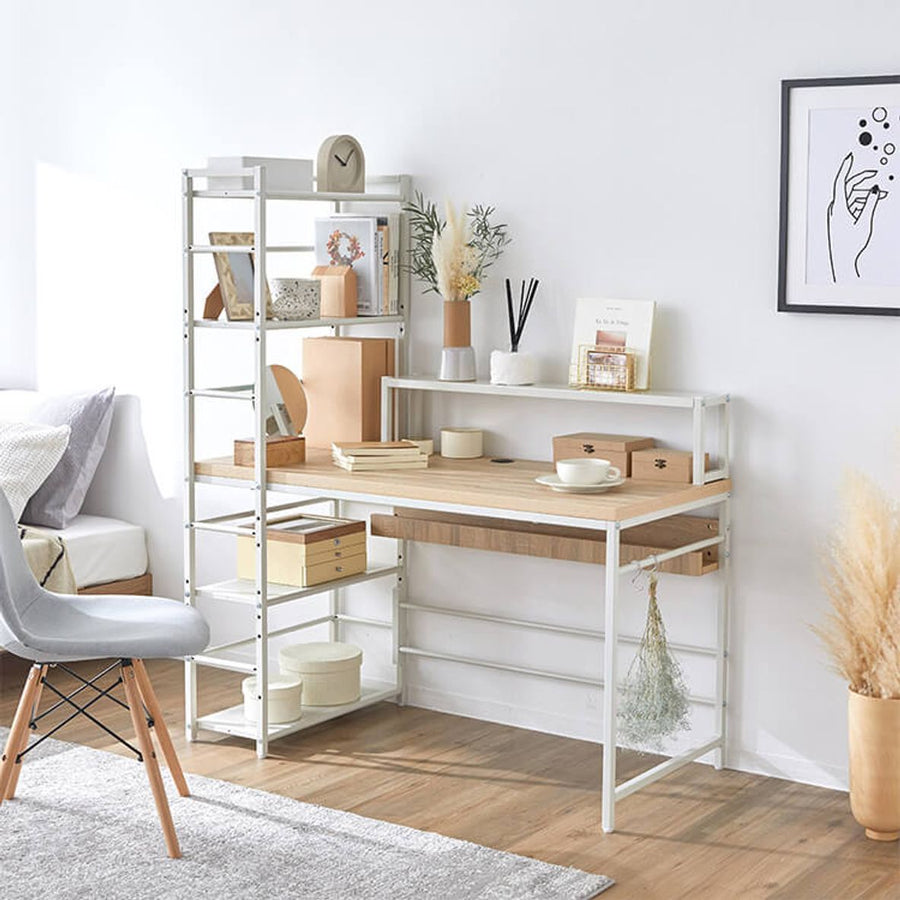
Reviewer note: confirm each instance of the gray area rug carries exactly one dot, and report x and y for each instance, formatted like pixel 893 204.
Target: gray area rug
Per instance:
pixel 83 825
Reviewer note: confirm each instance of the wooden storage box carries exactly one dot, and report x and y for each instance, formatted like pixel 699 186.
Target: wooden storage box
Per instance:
pixel 556 541
pixel 617 448
pixel 660 464
pixel 281 450
pixel 342 383
pixel 307 550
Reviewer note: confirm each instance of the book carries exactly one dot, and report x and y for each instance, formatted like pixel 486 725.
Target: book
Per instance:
pixel 615 323
pixel 389 228
pixel 375 448
pixel 353 241
pixel 380 465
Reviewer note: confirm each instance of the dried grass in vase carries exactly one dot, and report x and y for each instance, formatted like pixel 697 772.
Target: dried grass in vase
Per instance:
pixel 654 702
pixel 862 579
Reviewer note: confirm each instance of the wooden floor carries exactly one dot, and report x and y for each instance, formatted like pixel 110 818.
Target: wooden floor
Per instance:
pixel 699 833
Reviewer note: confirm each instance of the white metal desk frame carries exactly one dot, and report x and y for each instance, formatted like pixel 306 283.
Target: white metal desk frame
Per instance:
pixel 699 405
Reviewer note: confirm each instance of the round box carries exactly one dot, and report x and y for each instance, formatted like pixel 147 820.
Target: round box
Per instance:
pixel 461 443
pixel 284 698
pixel 329 670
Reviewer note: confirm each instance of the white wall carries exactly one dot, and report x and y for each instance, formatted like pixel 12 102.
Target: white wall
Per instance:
pixel 633 148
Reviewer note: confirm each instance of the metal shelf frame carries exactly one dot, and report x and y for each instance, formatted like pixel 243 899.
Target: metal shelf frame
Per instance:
pixel 392 189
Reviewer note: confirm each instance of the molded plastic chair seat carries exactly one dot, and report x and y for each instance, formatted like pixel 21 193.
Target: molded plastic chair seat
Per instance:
pixel 70 628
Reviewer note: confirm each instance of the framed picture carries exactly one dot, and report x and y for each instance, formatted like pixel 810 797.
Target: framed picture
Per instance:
pixel 612 324
pixel 235 271
pixel 840 196
pixel 605 368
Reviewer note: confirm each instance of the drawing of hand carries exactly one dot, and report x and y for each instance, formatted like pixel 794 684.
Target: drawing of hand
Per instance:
pixel 850 219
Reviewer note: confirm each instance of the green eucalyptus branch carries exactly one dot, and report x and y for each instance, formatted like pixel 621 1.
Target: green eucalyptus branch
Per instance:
pixel 487 240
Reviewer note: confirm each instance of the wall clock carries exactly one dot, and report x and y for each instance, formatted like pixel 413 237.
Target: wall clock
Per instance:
pixel 341 166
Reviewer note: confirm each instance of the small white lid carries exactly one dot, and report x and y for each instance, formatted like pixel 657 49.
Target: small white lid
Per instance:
pixel 276 683
pixel 319 656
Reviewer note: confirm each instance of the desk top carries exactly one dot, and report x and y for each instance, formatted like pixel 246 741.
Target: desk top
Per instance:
pixel 478 483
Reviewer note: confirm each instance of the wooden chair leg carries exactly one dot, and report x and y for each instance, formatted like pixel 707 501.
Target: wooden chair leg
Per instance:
pixel 19 728
pixel 17 768
pixel 159 726
pixel 133 695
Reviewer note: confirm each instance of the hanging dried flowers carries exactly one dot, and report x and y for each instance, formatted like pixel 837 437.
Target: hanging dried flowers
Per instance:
pixel 654 702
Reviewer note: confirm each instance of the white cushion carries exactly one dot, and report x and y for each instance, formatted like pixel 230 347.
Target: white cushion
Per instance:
pixel 28 454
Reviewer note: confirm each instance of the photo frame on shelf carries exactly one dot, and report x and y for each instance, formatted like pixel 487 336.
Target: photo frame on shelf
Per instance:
pixel 235 272
pixel 605 368
pixel 840 196
pixel 615 325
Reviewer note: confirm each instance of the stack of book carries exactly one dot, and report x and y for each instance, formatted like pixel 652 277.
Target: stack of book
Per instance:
pixel 371 246
pixel 372 456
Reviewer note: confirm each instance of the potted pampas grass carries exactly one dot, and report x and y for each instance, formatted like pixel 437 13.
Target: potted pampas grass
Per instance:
pixel 862 634
pixel 451 257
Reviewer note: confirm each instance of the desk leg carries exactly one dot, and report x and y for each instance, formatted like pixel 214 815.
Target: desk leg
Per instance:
pixel 400 595
pixel 610 698
pixel 722 630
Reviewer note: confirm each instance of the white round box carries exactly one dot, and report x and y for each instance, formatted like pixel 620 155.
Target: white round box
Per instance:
pixel 284 699
pixel 461 443
pixel 329 669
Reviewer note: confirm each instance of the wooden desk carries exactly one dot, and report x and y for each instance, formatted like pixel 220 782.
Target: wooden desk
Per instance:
pixel 483 488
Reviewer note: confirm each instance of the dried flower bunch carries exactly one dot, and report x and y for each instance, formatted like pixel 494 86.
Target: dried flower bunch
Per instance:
pixel 862 578
pixel 654 701
pixel 450 257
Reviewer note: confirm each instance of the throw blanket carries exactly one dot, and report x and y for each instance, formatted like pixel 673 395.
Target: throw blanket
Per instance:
pixel 49 560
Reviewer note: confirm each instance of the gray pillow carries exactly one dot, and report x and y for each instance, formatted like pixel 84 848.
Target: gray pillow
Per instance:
pixel 58 500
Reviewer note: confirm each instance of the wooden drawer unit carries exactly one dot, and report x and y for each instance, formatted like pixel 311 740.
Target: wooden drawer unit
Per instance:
pixel 308 550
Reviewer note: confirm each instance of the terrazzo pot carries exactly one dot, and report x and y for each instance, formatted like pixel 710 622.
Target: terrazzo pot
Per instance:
pixel 874 729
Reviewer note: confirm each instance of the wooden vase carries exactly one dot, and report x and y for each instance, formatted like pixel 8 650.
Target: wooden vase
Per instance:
pixel 874 730
pixel 457 323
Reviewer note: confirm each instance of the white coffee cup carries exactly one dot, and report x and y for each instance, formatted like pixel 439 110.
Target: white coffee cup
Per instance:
pixel 586 471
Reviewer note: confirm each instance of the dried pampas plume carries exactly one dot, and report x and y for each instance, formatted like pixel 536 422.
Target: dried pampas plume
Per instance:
pixel 454 259
pixel 862 579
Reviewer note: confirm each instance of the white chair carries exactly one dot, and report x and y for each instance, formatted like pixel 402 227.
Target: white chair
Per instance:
pixel 54 629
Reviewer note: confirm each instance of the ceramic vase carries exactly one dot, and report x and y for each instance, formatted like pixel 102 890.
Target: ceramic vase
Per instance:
pixel 512 368
pixel 874 731
pixel 458 356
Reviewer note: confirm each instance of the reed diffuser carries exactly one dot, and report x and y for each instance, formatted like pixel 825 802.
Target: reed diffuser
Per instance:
pixel 512 367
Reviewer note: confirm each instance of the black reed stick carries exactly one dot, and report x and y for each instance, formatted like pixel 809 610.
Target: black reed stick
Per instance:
pixel 517 322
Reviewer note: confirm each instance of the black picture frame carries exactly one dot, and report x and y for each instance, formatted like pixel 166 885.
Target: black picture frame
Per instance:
pixel 789 89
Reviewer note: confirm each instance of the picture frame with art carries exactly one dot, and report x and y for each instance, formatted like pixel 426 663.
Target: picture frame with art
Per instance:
pixel 840 196
pixel 236 273
pixel 611 342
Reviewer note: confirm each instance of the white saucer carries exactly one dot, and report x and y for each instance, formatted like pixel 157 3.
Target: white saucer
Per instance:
pixel 555 482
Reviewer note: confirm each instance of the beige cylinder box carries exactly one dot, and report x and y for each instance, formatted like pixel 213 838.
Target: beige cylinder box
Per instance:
pixel 329 669
pixel 284 699
pixel 462 443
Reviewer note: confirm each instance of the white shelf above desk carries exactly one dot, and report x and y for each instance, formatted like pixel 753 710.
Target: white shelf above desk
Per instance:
pixel 700 406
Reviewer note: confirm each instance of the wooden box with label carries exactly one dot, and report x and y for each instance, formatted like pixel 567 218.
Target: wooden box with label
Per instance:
pixel 307 550
pixel 660 464
pixel 617 448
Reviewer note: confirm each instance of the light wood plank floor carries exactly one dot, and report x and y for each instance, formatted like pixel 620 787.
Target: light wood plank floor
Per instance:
pixel 699 833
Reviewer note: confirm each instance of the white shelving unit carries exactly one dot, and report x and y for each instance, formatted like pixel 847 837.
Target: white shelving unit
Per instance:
pixel 259 594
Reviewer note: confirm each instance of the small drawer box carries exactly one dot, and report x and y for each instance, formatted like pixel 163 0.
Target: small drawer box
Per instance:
pixel 329 670
pixel 660 464
pixel 617 448
pixel 307 550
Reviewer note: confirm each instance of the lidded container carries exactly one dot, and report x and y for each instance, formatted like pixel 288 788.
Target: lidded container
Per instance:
pixel 285 694
pixel 329 670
